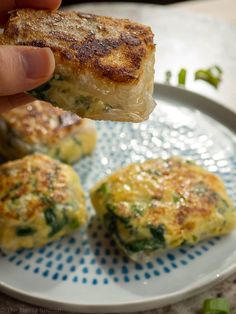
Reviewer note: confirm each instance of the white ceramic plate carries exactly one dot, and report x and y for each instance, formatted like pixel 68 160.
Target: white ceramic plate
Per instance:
pixel 86 272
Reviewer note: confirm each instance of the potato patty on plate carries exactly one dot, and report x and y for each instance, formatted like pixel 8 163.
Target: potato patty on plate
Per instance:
pixel 41 199
pixel 41 127
pixel 162 204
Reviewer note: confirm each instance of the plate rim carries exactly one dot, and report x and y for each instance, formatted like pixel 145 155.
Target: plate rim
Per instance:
pixel 221 114
pixel 148 304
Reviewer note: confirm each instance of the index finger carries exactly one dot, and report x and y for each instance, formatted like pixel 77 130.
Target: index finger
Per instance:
pixel 8 5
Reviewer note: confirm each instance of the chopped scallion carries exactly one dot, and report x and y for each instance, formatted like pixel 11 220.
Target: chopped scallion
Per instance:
pixel 212 75
pixel 182 77
pixel 216 306
pixel 24 231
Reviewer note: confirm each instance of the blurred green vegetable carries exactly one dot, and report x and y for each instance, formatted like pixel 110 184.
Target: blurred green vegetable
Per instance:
pixel 182 77
pixel 216 306
pixel 212 75
pixel 168 76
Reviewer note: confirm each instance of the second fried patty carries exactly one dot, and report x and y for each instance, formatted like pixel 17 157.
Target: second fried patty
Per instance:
pixel 41 127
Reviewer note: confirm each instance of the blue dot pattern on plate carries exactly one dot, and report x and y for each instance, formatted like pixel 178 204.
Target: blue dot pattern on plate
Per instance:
pixel 91 256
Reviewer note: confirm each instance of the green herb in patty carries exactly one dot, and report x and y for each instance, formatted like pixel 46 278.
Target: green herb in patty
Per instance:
pixel 54 222
pixel 24 231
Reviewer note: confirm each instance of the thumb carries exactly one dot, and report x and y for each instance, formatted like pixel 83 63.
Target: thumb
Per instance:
pixel 24 68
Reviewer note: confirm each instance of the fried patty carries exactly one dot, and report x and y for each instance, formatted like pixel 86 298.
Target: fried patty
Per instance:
pixel 41 127
pixel 104 66
pixel 41 200
pixel 161 204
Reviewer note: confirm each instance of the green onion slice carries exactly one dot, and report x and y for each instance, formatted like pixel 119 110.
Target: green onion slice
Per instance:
pixel 216 306
pixel 182 77
pixel 212 75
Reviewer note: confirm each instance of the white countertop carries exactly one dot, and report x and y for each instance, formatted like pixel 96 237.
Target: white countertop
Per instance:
pixel 221 10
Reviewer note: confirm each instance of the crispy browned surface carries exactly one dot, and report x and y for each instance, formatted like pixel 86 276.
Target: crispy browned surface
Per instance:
pixel 173 189
pixel 113 49
pixel 18 178
pixel 41 122
pixel 187 201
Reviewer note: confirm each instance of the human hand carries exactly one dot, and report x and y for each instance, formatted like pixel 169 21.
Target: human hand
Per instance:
pixel 23 68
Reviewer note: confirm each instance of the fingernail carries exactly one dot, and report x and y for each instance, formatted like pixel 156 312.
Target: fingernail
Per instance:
pixel 37 62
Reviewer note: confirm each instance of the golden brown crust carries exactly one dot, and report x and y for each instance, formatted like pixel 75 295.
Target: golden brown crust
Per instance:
pixel 162 204
pixel 112 49
pixel 173 190
pixel 40 122
pixel 35 175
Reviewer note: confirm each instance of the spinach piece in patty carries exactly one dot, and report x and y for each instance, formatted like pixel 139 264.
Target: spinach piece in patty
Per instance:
pixel 158 234
pixel 83 101
pixel 157 241
pixel 54 222
pixel 148 244
pixel 39 92
pixel 24 231
pixel 112 210
pixel 74 224
pixel 104 189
